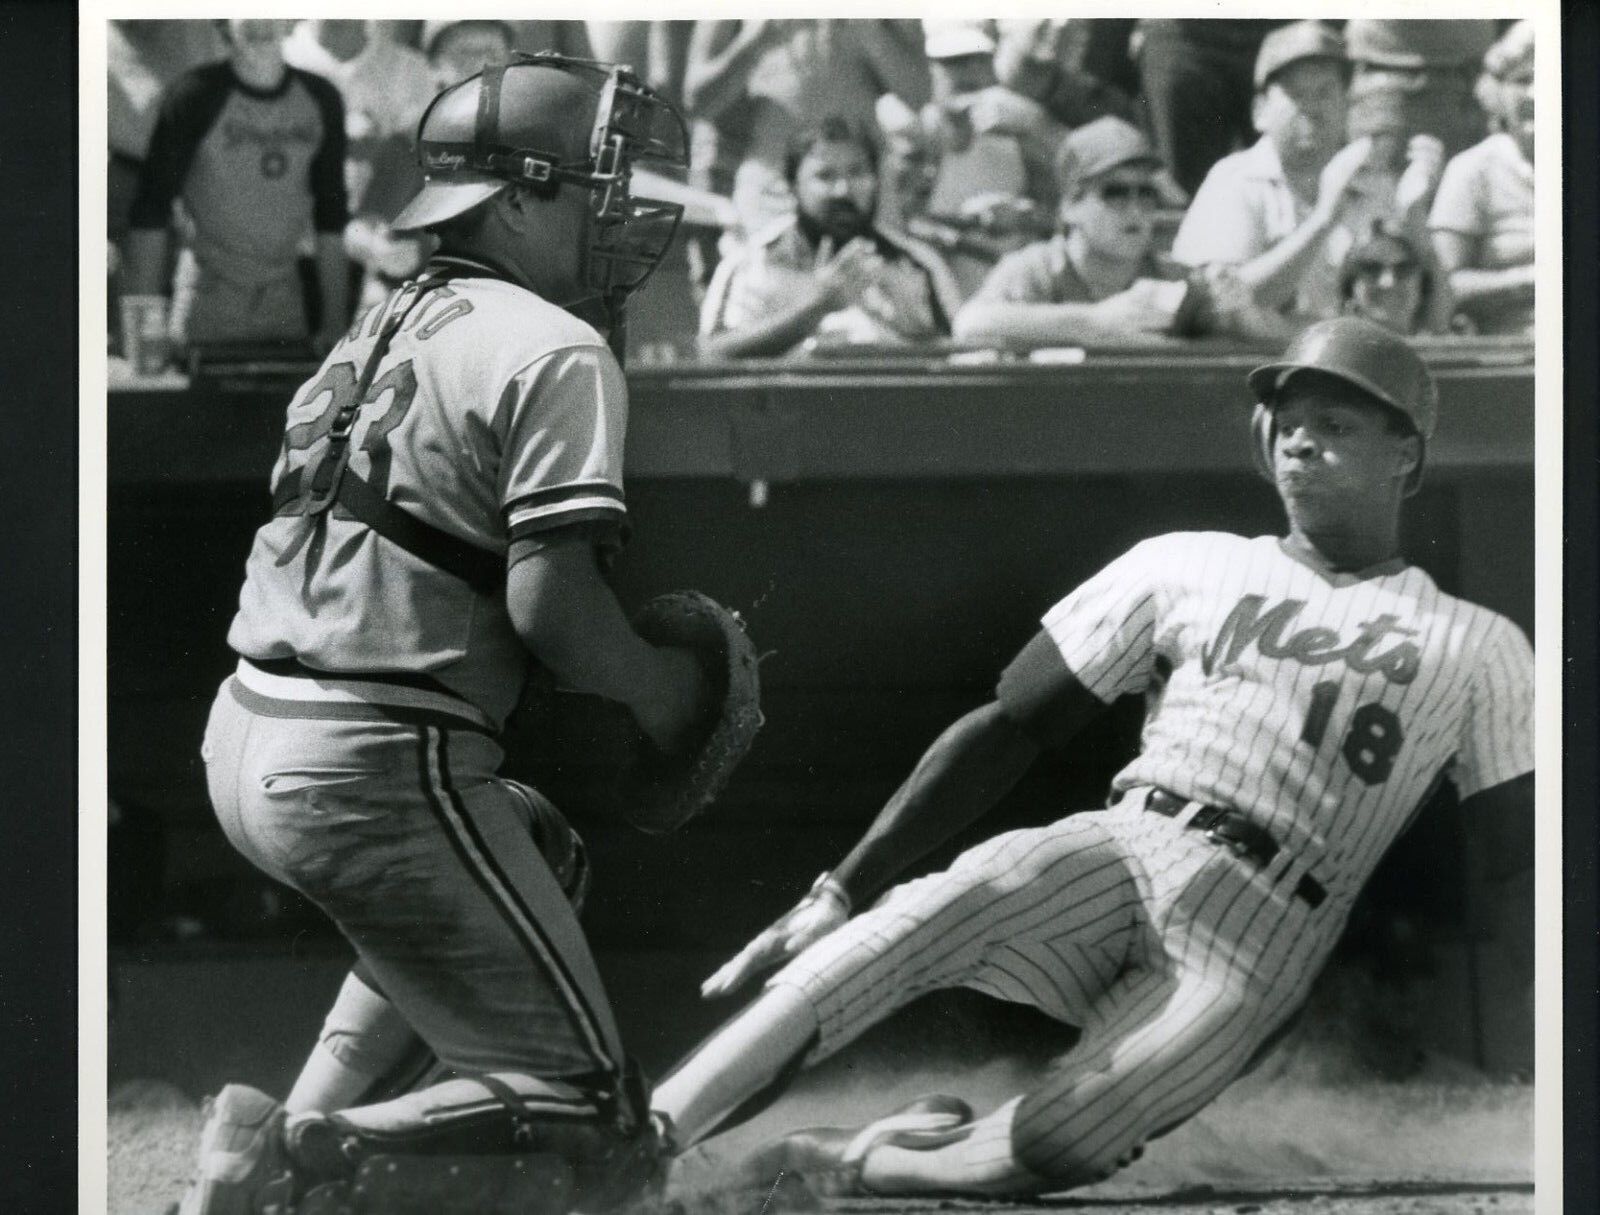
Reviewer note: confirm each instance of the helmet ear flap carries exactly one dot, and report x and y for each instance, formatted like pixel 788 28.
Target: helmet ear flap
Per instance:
pixel 1262 433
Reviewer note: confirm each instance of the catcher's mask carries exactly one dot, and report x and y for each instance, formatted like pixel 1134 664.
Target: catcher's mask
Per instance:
pixel 1377 361
pixel 547 120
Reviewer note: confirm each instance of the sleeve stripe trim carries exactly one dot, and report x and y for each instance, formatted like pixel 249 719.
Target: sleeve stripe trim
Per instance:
pixel 563 493
pixel 527 524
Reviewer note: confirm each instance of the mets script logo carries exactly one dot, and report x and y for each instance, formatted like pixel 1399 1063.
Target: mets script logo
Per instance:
pixel 1314 646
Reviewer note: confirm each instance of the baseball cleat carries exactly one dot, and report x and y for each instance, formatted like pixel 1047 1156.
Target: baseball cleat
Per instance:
pixel 241 1150
pixel 830 1158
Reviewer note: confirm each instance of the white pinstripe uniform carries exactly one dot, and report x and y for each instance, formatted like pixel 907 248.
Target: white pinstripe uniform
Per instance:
pixel 353 754
pixel 1324 708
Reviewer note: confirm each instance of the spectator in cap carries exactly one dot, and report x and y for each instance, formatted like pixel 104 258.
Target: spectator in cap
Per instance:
pixel 829 271
pixel 970 105
pixel 459 49
pixel 1391 277
pixel 995 183
pixel 1481 224
pixel 1269 211
pixel 960 54
pixel 1194 74
pixel 1098 279
pixel 1416 77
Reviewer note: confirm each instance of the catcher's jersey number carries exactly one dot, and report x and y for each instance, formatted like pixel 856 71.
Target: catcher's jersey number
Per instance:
pixel 339 382
pixel 1371 742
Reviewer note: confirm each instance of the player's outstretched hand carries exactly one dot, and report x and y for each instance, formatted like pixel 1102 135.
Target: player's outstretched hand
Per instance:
pixel 823 909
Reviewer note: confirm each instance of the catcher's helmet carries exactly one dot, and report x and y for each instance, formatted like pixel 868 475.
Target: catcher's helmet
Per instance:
pixel 549 119
pixel 1376 360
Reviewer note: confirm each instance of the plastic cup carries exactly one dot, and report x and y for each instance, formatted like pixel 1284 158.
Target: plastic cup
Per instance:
pixel 144 333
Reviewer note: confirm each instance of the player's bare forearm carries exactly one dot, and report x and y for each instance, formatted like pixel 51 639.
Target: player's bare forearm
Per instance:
pixel 568 616
pixel 969 768
pixel 146 261
pixel 1039 702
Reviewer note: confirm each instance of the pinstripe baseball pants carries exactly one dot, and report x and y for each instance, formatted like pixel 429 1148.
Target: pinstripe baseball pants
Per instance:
pixel 1175 958
pixel 404 836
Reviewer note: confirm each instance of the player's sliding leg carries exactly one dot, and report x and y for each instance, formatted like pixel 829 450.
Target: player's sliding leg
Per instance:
pixel 1162 1049
pixel 746 1056
pixel 927 934
pixel 990 1159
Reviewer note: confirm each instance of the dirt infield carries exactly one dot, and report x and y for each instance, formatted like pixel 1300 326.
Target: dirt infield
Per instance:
pixel 1273 1145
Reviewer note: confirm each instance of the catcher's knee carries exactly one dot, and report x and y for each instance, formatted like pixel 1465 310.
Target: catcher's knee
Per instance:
pixel 363 1030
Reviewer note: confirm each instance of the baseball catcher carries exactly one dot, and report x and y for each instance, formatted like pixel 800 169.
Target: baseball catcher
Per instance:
pixel 445 502
pixel 1305 694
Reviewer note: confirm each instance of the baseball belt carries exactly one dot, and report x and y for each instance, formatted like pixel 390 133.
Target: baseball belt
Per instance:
pixel 1237 833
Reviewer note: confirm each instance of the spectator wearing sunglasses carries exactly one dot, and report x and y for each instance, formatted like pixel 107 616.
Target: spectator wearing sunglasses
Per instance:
pixel 1391 277
pixel 1097 280
pixel 1271 211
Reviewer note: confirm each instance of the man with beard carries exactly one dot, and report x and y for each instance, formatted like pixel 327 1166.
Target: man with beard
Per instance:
pixel 1272 210
pixel 827 272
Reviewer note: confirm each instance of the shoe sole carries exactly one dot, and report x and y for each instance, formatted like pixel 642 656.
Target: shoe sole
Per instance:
pixel 927 1123
pixel 228 1178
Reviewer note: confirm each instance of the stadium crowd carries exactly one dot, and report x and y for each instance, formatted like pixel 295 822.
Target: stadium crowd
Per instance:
pixel 863 184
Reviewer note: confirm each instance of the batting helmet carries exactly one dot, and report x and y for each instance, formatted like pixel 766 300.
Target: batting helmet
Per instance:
pixel 1376 360
pixel 548 120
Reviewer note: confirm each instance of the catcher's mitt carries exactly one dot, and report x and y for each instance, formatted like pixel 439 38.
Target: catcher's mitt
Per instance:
pixel 659 793
pixel 589 755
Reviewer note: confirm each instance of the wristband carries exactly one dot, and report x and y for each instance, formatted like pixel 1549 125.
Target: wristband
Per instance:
pixel 829 886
